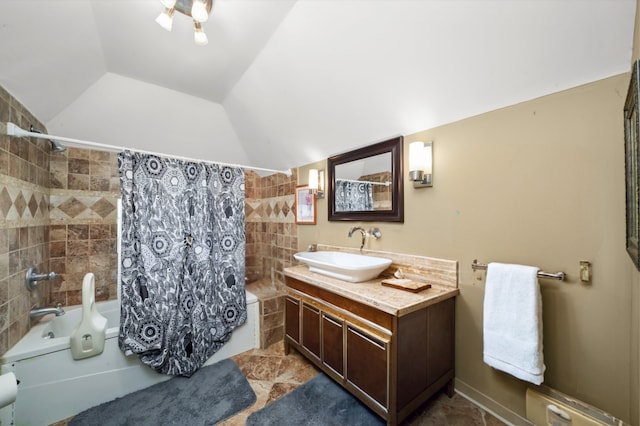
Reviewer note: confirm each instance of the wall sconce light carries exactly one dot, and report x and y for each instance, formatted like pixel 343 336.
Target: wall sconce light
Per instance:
pixel 421 164
pixel 316 182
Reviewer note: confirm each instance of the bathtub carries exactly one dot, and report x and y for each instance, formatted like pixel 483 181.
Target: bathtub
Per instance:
pixel 54 386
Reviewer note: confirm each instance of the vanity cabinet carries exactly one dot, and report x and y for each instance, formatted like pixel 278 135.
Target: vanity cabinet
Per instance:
pixel 333 344
pixel 367 365
pixel 392 362
pixel 311 330
pixel 292 319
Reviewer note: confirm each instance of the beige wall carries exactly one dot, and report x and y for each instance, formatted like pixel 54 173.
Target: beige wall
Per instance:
pixel 539 183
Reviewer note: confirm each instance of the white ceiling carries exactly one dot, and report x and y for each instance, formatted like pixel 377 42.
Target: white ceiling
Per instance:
pixel 283 83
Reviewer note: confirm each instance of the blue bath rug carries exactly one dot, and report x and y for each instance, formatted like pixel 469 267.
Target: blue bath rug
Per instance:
pixel 319 402
pixel 212 394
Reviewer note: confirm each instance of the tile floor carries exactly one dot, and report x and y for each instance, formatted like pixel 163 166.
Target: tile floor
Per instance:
pixel 272 375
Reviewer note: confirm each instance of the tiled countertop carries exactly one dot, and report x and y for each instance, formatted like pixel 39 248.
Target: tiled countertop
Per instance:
pixel 390 300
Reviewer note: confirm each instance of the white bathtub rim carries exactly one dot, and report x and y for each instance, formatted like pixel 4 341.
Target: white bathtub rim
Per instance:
pixel 33 344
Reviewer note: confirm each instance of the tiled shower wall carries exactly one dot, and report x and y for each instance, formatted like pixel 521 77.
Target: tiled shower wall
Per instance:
pixel 58 212
pixel 85 188
pixel 83 216
pixel 272 238
pixel 24 220
pixel 84 191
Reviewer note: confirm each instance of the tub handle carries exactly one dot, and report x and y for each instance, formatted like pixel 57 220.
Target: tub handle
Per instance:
pixel 32 277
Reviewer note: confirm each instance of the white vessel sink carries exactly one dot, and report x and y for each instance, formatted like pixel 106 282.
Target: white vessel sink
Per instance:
pixel 343 266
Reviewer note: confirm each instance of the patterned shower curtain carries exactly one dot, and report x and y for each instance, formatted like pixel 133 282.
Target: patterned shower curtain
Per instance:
pixel 183 251
pixel 353 196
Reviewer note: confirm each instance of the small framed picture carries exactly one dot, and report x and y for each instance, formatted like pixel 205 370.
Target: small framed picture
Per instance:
pixel 305 206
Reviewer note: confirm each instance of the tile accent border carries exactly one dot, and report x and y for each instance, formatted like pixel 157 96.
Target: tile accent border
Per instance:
pixel 82 207
pixel 22 203
pixel 273 210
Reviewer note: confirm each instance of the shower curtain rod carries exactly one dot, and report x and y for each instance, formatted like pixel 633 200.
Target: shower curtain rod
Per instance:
pixel 364 181
pixel 14 130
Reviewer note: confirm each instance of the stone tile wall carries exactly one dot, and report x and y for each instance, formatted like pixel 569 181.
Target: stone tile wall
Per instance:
pixel 58 212
pixel 85 188
pixel 272 239
pixel 24 220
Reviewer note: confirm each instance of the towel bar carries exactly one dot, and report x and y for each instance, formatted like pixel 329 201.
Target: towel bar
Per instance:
pixel 554 276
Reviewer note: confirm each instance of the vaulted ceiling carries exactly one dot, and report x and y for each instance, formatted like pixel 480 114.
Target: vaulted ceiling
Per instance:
pixel 283 83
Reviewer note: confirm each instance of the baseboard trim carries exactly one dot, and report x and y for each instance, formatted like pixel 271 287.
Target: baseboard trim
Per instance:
pixel 490 405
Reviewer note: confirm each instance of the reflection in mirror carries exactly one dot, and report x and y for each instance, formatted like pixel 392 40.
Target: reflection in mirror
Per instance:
pixel 366 184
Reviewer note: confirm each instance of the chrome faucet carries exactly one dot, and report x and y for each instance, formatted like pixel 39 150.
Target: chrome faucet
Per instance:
pixel 32 277
pixel 40 312
pixel 375 233
pixel 362 231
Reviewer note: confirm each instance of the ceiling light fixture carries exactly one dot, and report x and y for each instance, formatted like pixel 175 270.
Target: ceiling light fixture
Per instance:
pixel 165 19
pixel 168 3
pixel 198 35
pixel 198 10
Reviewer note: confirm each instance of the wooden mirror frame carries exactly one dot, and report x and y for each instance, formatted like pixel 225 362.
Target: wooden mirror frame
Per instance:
pixel 632 164
pixel 396 213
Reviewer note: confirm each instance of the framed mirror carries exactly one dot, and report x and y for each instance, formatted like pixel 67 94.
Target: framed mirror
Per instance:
pixel 632 164
pixel 366 184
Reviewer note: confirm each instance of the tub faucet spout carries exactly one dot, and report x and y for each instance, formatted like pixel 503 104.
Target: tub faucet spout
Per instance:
pixel 40 312
pixel 362 232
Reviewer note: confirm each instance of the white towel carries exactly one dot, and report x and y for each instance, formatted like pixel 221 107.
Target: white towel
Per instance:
pixel 513 321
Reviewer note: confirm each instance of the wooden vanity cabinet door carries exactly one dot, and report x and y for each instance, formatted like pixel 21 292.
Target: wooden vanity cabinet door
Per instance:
pixel 332 343
pixel 292 318
pixel 367 366
pixel 311 329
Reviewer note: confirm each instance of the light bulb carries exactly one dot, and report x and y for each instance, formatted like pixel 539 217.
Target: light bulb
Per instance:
pixel 313 179
pixel 417 159
pixel 199 37
pixel 165 19
pixel 168 3
pixel 199 11
pixel 428 153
